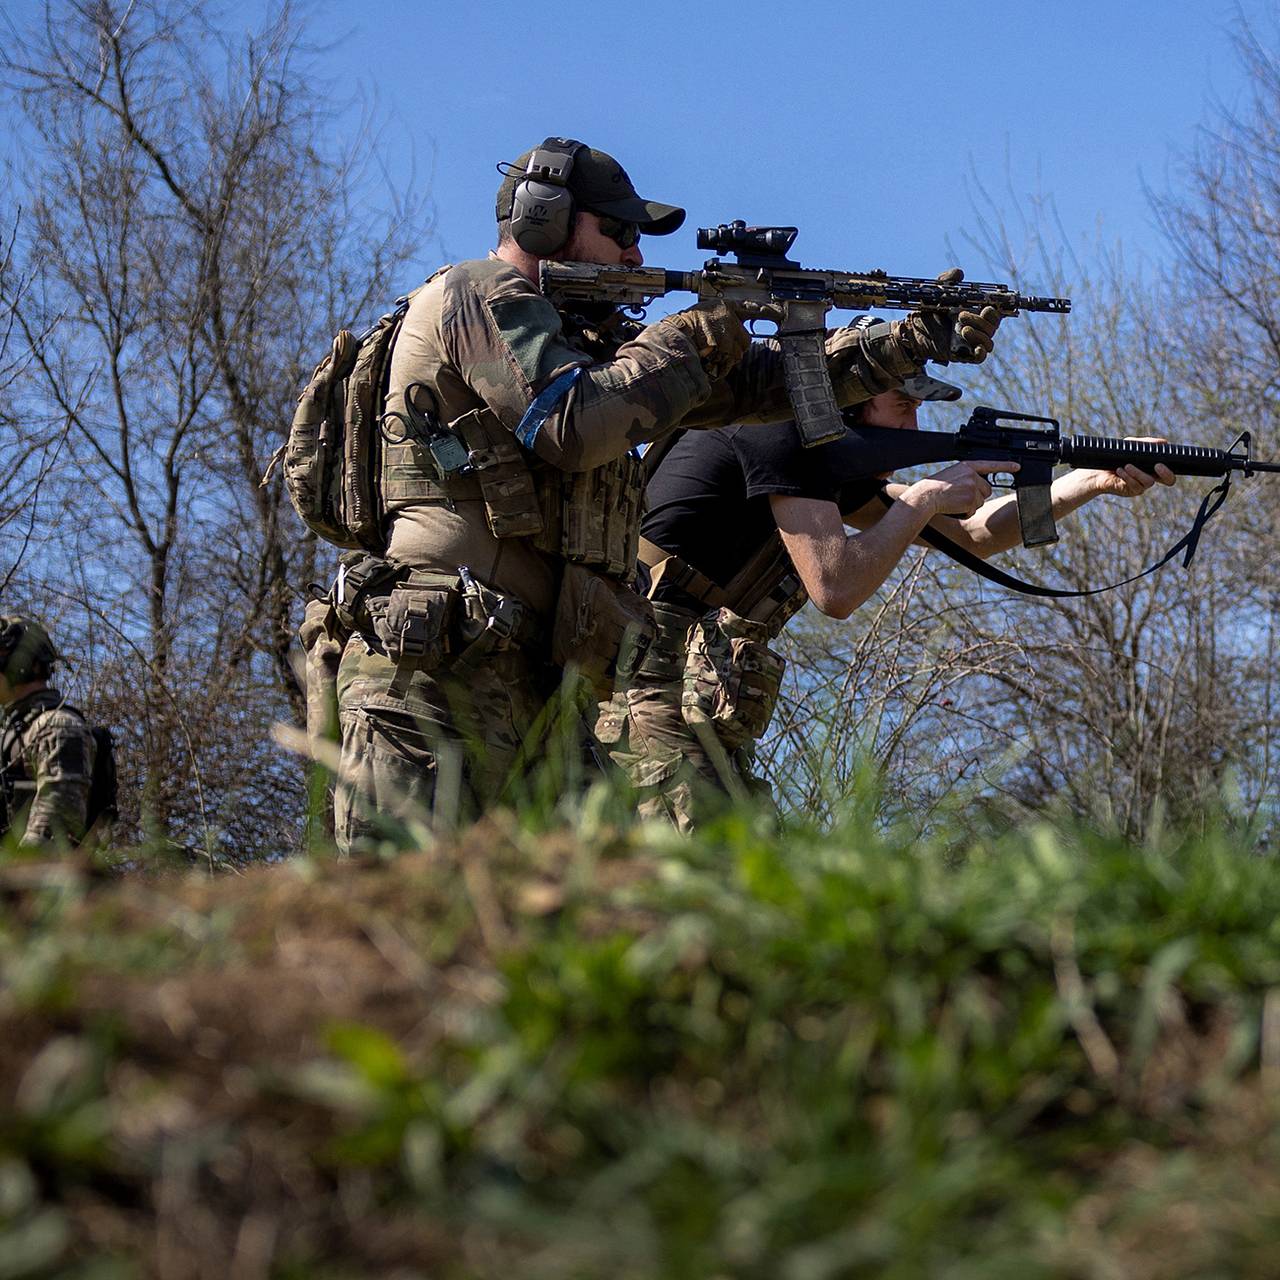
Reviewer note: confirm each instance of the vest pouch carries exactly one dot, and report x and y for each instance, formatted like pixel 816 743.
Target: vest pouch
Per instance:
pixel 417 624
pixel 622 513
pixel 602 630
pixel 502 469
pixel 492 621
pixel 731 677
pixel 664 663
pixel 585 496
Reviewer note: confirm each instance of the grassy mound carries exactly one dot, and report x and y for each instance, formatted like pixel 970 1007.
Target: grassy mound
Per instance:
pixel 611 1053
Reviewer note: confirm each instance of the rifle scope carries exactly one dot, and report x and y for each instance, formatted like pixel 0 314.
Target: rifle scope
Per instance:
pixel 737 237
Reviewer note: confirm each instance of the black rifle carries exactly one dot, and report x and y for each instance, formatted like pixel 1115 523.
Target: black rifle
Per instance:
pixel 1037 446
pixel 799 298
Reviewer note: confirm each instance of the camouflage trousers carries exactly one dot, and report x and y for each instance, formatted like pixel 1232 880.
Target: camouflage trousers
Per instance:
pixel 438 749
pixel 679 771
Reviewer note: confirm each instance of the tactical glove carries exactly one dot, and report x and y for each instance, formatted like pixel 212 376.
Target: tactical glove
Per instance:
pixel 717 333
pixel 942 336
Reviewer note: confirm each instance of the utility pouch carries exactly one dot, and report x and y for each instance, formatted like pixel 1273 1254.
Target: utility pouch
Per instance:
pixel 731 677
pixel 623 516
pixel 360 589
pixel 602 630
pixel 502 470
pixel 600 515
pixel 416 627
pixel 664 663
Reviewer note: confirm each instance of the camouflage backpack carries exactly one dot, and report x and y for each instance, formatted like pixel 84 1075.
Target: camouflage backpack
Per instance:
pixel 332 456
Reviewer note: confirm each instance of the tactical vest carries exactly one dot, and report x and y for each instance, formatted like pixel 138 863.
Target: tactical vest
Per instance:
pixel 585 517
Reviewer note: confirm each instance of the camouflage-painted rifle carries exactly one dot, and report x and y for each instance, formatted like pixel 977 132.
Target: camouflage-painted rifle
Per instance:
pixel 799 299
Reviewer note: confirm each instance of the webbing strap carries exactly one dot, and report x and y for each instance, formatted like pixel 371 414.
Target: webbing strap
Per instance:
pixel 1187 544
pixel 678 572
pixel 544 404
pixel 768 578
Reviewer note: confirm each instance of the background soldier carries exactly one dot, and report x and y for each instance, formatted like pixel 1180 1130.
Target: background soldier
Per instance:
pixel 47 750
pixel 742 529
pixel 531 549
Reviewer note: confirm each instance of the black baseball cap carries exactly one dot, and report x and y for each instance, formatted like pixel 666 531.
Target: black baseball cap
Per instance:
pixel 600 185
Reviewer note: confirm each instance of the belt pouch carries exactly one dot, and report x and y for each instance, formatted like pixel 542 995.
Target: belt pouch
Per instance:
pixel 416 626
pixel 731 677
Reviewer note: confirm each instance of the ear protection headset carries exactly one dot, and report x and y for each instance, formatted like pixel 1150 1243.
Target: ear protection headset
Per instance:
pixel 542 207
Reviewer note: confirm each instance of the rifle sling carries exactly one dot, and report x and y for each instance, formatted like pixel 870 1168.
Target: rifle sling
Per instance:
pixel 1187 544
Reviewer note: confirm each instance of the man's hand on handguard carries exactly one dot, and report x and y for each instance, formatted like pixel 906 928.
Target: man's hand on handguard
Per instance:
pixel 1129 481
pixel 967 337
pixel 717 333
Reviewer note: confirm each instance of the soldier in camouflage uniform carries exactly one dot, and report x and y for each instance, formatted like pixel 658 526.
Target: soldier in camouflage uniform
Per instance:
pixel 46 748
pixel 447 675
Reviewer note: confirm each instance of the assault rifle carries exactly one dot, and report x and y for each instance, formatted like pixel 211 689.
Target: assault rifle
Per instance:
pixel 778 288
pixel 1037 445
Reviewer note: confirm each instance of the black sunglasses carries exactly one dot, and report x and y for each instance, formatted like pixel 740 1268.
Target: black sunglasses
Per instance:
pixel 623 234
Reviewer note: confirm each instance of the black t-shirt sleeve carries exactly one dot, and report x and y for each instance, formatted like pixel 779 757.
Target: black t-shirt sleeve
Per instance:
pixel 773 461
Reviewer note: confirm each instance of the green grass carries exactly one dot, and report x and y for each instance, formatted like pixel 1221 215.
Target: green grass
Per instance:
pixel 607 1052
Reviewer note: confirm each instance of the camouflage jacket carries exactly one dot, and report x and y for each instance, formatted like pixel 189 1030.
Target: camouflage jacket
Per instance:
pixel 481 335
pixel 46 763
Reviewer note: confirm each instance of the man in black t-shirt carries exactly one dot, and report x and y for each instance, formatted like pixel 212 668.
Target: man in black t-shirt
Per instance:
pixel 746 525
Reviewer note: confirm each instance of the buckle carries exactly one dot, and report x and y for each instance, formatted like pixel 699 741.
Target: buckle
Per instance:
pixel 413 636
pixel 505 620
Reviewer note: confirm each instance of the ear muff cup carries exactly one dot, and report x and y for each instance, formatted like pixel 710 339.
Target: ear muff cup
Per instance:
pixel 542 206
pixel 541 218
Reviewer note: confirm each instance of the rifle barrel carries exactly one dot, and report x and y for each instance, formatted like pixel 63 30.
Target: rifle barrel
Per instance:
pixel 1182 459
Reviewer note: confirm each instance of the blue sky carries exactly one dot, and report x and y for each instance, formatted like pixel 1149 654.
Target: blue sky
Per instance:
pixel 863 124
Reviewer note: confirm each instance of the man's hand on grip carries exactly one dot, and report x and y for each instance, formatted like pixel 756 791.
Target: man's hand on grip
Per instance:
pixel 959 490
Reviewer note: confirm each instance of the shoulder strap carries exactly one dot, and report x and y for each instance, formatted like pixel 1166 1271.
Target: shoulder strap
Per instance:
pixel 1187 544
pixel 16 725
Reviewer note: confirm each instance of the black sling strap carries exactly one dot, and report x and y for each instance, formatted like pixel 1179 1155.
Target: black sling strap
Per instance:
pixel 1187 544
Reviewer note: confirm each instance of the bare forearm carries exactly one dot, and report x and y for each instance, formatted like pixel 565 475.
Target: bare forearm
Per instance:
pixel 868 557
pixel 994 527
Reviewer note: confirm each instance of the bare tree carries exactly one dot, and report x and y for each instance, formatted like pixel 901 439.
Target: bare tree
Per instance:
pixel 1155 697
pixel 195 232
